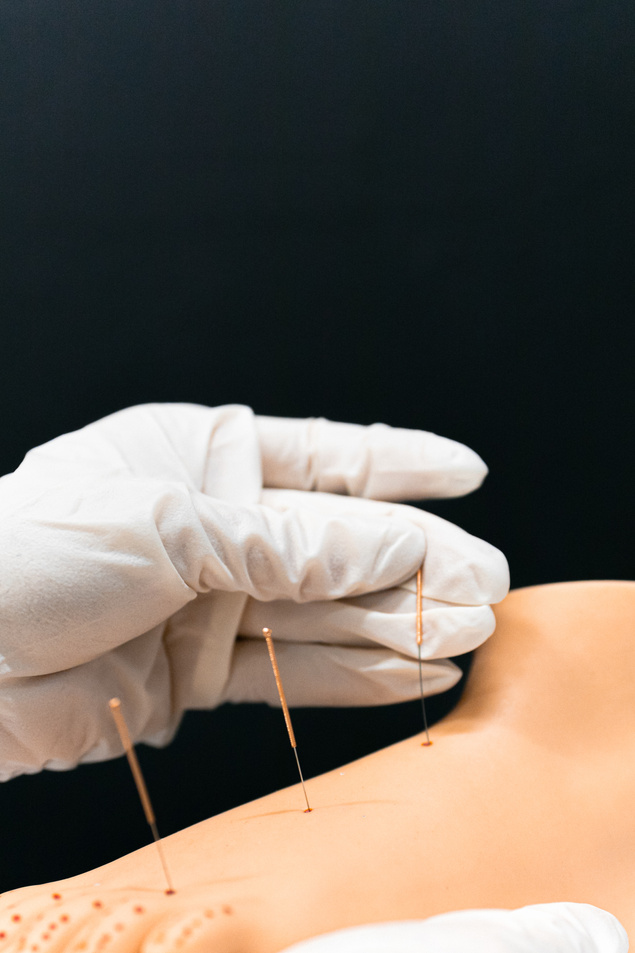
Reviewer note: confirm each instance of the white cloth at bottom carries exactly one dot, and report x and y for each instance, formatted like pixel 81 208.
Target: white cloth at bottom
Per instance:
pixel 539 928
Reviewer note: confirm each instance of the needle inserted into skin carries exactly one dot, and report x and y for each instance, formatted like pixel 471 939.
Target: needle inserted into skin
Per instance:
pixel 122 728
pixel 427 742
pixel 285 709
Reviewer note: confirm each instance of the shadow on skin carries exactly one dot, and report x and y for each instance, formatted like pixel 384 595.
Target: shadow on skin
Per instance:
pixel 321 807
pixel 161 891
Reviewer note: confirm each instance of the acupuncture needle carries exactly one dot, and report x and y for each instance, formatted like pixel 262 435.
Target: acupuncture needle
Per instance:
pixel 285 709
pixel 427 742
pixel 122 728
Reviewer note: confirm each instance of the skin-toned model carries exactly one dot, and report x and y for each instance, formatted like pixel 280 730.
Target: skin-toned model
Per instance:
pixel 525 797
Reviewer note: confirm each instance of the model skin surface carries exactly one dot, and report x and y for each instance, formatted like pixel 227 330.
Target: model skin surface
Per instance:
pixel 524 797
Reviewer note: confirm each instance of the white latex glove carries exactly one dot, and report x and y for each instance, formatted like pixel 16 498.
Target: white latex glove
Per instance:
pixel 540 928
pixel 129 550
pixel 326 650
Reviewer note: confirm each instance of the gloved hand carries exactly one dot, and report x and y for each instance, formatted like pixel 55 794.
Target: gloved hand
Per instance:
pixel 135 550
pixel 539 928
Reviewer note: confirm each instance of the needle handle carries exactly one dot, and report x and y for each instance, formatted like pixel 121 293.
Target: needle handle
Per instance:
pixel 122 728
pixel 419 605
pixel 276 672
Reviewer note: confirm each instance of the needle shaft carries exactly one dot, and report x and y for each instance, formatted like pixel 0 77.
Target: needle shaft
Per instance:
pixel 122 728
pixel 308 806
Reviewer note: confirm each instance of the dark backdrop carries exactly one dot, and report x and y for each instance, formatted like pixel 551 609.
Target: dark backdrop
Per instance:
pixel 397 210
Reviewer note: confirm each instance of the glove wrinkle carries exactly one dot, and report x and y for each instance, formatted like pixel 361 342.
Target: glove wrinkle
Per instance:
pixel 302 554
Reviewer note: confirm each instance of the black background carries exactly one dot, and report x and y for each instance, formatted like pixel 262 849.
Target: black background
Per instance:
pixel 414 212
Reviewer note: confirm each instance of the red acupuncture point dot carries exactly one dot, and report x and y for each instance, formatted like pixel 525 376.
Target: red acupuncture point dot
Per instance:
pixel 56 896
pixel 64 919
pixel 138 910
pixel 97 903
pixel 16 917
pixel 2 935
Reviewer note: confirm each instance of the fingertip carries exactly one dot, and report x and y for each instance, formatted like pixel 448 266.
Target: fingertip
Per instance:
pixel 463 468
pixel 417 465
pixel 500 576
pixel 474 469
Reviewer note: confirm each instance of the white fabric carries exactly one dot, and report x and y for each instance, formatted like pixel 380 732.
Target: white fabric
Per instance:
pixel 540 928
pixel 134 551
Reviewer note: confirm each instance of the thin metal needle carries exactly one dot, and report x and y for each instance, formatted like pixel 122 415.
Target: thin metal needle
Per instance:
pixel 122 728
pixel 427 742
pixel 285 709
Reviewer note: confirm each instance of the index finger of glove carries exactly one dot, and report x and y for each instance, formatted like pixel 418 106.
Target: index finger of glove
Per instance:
pixel 458 568
pixel 377 462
